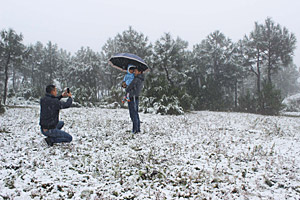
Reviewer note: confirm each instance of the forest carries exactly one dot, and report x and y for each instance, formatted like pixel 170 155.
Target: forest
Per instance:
pixel 251 75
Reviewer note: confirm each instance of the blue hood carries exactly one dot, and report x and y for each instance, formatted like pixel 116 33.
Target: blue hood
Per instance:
pixel 129 67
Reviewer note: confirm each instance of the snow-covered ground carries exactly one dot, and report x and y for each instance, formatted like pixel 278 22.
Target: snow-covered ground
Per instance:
pixel 199 155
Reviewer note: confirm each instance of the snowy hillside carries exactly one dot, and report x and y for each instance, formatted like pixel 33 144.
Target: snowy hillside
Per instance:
pixel 200 155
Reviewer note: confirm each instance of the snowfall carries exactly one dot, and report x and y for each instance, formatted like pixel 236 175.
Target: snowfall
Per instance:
pixel 198 155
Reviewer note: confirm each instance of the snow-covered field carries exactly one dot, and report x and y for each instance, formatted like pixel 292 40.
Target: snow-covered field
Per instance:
pixel 199 155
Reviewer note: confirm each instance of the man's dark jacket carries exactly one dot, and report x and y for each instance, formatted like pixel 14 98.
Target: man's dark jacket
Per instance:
pixel 50 106
pixel 136 85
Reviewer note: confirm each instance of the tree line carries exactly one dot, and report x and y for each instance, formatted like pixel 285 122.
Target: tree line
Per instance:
pixel 251 75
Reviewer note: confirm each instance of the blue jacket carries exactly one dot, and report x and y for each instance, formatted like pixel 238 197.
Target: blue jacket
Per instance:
pixel 50 106
pixel 128 77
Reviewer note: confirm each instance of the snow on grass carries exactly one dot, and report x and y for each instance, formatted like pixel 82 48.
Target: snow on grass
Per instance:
pixel 200 155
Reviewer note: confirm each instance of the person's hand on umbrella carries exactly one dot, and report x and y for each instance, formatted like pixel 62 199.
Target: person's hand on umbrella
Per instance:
pixel 114 66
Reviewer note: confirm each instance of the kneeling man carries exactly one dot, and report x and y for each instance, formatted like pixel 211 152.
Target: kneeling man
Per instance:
pixel 49 116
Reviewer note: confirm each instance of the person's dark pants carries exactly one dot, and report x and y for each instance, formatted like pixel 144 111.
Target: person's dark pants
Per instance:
pixel 133 106
pixel 57 135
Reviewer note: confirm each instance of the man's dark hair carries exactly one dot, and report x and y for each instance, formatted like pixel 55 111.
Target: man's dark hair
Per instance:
pixel 49 88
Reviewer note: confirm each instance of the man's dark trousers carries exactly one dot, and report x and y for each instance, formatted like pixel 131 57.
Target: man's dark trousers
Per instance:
pixel 133 106
pixel 57 135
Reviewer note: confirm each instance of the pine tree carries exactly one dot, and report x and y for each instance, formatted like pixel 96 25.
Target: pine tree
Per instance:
pixel 165 86
pixel 84 75
pixel 12 50
pixel 170 59
pixel 37 74
pixel 63 68
pixel 278 46
pixel 50 63
pixel 215 72
pixel 267 49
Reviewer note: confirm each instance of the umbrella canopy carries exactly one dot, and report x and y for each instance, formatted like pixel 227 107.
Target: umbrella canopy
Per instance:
pixel 122 60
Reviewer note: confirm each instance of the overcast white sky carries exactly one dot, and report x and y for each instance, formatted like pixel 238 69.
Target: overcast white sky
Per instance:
pixel 72 24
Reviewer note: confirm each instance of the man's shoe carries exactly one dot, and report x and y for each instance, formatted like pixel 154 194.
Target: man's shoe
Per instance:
pixel 136 132
pixel 48 141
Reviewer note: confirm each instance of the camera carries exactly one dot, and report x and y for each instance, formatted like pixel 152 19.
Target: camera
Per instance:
pixel 68 90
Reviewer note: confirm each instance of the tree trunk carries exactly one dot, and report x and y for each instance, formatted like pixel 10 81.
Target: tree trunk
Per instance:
pixel 168 76
pixel 14 78
pixel 258 80
pixel 260 101
pixel 235 93
pixel 6 79
pixel 269 69
pixel 258 72
pixel 269 76
pixel 32 76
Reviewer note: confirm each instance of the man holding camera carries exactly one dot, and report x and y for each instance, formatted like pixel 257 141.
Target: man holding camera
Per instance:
pixel 49 116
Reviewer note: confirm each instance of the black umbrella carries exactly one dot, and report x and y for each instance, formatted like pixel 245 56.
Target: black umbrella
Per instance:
pixel 122 60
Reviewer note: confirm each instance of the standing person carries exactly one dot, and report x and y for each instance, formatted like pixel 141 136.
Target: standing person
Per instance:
pixel 49 116
pixel 134 90
pixel 127 80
